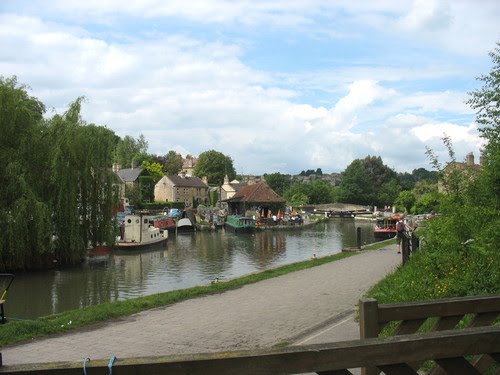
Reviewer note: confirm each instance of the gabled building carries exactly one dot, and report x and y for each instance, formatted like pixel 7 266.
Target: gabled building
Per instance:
pixel 188 164
pixel 469 169
pixel 254 197
pixel 129 176
pixel 229 189
pixel 183 188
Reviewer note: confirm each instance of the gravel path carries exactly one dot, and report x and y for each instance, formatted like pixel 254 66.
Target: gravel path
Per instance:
pixel 257 315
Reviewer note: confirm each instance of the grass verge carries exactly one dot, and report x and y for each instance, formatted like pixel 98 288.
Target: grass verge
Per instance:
pixel 380 244
pixel 17 331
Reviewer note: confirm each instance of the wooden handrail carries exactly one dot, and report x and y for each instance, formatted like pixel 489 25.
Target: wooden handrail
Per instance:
pixel 412 315
pixel 448 347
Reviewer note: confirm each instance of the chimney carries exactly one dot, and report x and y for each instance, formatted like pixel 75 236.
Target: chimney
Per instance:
pixel 205 180
pixel 226 180
pixel 116 167
pixel 183 174
pixel 470 159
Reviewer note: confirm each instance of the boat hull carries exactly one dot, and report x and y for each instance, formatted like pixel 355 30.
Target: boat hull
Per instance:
pixel 130 245
pixel 240 224
pixel 185 225
pixel 384 234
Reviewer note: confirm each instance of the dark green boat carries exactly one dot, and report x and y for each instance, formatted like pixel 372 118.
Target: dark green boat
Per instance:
pixel 240 224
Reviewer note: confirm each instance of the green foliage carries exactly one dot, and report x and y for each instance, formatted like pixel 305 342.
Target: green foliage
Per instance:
pixel 406 200
pixel 155 170
pixel 427 203
pixel 278 182
pixel 147 188
pixel 134 195
pixel 56 196
pixel 214 197
pixel 424 187
pixel 130 150
pixel 369 181
pixel 459 256
pixel 297 200
pixel 173 163
pixel 389 191
pixel 486 103
pixel 214 165
pixel 313 192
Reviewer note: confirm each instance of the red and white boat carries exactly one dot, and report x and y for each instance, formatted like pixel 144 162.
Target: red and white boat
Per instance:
pixel 386 227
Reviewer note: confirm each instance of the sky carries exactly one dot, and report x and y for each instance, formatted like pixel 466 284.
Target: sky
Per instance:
pixel 278 86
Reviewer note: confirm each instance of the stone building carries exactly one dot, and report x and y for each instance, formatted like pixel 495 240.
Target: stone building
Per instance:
pixel 182 188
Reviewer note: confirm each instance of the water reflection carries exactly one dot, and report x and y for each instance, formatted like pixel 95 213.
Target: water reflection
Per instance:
pixel 187 260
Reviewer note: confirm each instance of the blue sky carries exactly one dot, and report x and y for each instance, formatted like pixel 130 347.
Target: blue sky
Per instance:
pixel 279 86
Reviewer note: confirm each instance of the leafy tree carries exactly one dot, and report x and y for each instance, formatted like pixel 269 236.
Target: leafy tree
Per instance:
pixel 298 199
pixel 320 192
pixel 486 103
pixel 297 189
pixel 422 174
pixel 353 184
pixel 173 163
pixel 278 182
pixel 406 199
pixel 389 192
pixel 25 215
pixel 319 172
pixel 155 170
pixel 316 192
pixel 427 203
pixel 363 180
pixel 423 187
pixel 214 165
pixel 130 150
pixel 56 196
pixel 147 188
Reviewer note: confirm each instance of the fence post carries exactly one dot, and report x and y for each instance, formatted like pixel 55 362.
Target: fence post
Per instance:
pixel 358 237
pixel 368 326
pixel 415 243
pixel 405 244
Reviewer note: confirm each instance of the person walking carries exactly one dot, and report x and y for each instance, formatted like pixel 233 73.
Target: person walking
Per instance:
pixel 400 230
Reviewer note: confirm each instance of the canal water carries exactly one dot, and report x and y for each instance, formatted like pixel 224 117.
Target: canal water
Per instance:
pixel 187 260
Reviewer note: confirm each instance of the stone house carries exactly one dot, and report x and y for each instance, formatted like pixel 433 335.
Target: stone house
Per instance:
pixel 182 188
pixel 128 178
pixel 469 167
pixel 188 164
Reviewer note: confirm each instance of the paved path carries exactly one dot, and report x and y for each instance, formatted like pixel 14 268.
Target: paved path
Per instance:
pixel 304 307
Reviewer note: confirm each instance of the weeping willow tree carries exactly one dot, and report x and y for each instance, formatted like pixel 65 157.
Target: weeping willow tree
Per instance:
pixel 56 187
pixel 24 214
pixel 83 197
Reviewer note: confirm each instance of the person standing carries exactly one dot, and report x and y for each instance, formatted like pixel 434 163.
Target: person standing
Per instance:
pixel 400 229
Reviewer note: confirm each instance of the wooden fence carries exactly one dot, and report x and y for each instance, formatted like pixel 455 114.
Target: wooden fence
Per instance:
pixel 471 350
pixel 390 354
pixel 445 314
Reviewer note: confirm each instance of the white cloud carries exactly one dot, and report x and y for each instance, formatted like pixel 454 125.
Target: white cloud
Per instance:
pixel 192 91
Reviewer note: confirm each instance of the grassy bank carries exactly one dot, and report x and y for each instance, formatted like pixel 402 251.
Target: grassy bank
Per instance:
pixel 16 331
pixel 379 244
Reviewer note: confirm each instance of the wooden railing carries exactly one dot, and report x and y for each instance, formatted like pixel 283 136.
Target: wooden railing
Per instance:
pixel 392 355
pixel 471 350
pixel 445 314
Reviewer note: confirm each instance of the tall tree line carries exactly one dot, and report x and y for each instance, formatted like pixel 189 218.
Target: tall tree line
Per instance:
pixel 56 188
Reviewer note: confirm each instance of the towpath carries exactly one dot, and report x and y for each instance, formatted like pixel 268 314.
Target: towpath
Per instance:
pixel 303 307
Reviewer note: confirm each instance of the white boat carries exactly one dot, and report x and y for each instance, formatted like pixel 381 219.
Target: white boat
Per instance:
pixel 139 232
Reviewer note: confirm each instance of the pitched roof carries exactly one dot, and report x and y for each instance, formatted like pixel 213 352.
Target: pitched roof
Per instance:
pixel 187 181
pixel 259 192
pixel 129 174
